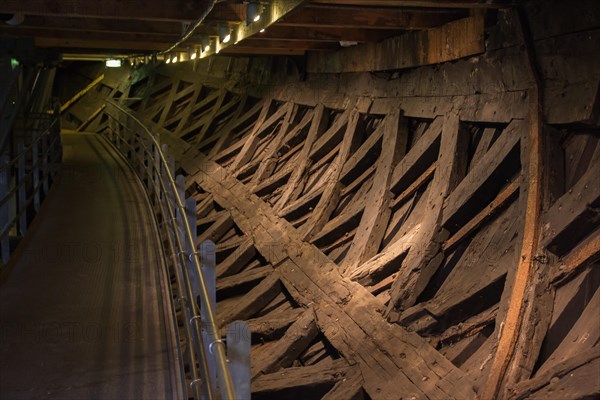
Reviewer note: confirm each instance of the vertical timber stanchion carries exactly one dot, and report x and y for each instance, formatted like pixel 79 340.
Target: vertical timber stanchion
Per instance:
pixel 209 272
pixel 156 174
pixel 238 354
pixel 22 192
pixel 45 172
pixel 35 172
pixel 4 209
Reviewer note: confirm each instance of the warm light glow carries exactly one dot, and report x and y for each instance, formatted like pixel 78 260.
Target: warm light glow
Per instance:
pixel 227 38
pixel 262 30
pixel 113 63
pixel 207 47
pixel 168 60
pixel 257 18
pixel 194 55
pixel 174 59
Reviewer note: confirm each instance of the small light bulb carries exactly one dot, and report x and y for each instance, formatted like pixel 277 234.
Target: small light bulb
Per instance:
pixel 174 59
pixel 207 47
pixel 257 18
pixel 194 55
pixel 167 61
pixel 262 30
pixel 227 38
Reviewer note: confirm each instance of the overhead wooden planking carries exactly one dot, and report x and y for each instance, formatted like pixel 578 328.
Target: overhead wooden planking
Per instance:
pixel 152 10
pixel 286 44
pixel 367 17
pixel 454 40
pixel 275 10
pixel 325 34
pixel 422 3
pixel 82 34
pixel 109 45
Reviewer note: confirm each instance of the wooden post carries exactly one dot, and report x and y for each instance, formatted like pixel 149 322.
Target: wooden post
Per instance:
pixel 22 193
pixel 4 209
pixel 35 155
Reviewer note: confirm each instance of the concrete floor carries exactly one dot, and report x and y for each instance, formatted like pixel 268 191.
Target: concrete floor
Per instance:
pixel 82 313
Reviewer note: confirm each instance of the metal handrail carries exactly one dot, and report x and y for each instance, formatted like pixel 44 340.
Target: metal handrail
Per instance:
pixel 224 377
pixel 41 136
pixel 40 171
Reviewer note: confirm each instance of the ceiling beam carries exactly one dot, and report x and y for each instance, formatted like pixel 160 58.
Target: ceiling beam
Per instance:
pixel 149 10
pixel 273 12
pixel 423 3
pixel 355 17
pixel 107 46
pixel 88 35
pixel 287 44
pixel 326 34
pixel 238 50
pixel 101 25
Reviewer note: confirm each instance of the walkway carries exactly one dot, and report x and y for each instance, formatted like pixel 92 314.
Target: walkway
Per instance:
pixel 81 309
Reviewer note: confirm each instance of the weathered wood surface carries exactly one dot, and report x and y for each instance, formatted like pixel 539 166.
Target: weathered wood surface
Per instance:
pixel 346 313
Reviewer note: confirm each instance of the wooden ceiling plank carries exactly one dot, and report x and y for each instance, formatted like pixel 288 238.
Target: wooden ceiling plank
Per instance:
pixel 152 10
pixel 367 17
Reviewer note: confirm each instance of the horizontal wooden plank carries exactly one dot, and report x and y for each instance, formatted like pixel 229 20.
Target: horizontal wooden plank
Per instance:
pixel 448 42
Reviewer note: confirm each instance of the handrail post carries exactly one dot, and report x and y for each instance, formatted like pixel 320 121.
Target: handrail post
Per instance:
pixel 35 172
pixel 238 353
pixel 22 192
pixel 4 209
pixel 156 174
pixel 45 172
pixel 209 272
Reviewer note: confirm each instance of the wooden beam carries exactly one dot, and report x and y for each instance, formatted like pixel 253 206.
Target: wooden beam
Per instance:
pixel 576 213
pixel 419 157
pixel 377 212
pixel 423 259
pixel 153 10
pixel 243 278
pixel 252 302
pixel 322 34
pixel 101 25
pixel 70 34
pixel 421 3
pixel 532 162
pixel 360 17
pixel 579 257
pixel 296 339
pixel 81 93
pixel 524 390
pixel 508 194
pixel 317 126
pixel 300 382
pixel 273 324
pixel 483 178
pixel 457 39
pixel 347 313
pixel 285 43
pixel 85 123
pixel 331 193
pixel 237 260
pixel 107 45
pixel 273 11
